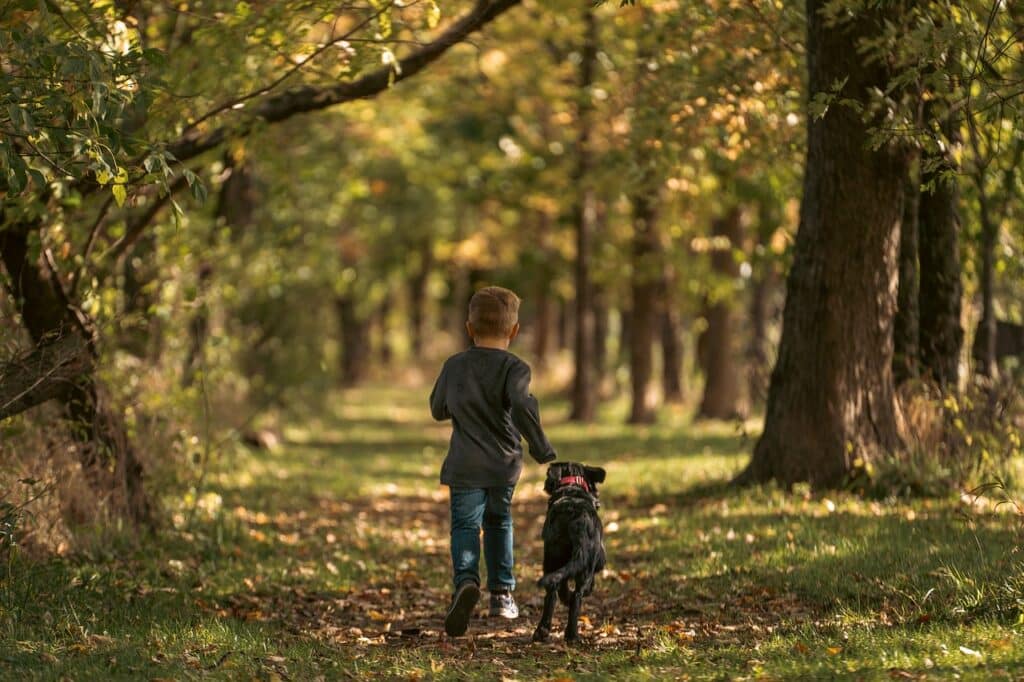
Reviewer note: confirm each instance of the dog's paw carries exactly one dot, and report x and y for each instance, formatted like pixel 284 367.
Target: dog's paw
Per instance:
pixel 540 635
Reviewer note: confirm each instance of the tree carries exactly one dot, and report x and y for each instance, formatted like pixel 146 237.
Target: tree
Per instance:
pixel 831 402
pixel 584 391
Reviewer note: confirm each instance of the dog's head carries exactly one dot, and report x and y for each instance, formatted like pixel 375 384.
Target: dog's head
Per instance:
pixel 562 470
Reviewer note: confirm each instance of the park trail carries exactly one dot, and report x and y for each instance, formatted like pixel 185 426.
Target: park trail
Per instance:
pixel 385 530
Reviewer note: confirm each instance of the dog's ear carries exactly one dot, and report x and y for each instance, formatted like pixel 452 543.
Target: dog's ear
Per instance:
pixel 594 474
pixel 551 482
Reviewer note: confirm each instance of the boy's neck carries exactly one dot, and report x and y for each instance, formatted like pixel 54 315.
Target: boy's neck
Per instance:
pixel 497 343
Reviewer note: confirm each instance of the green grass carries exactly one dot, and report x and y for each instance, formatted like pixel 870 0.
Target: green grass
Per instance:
pixel 314 560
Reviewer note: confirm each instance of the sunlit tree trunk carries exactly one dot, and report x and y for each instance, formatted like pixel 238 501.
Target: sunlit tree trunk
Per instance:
pixel 831 400
pixel 721 359
pixel 584 391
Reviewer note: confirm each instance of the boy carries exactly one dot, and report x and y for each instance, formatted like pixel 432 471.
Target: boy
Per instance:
pixel 485 391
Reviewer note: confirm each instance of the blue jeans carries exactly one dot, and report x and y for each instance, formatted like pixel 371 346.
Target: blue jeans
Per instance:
pixel 490 508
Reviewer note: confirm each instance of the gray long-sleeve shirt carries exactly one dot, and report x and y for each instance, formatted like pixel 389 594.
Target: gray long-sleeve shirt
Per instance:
pixel 486 394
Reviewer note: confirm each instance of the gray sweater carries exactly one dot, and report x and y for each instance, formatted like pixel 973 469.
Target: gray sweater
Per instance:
pixel 486 394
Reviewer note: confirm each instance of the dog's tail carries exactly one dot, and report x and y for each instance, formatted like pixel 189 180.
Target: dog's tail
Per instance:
pixel 576 564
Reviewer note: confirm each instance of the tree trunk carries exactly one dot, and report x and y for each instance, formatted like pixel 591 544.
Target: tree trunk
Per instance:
pixel 625 333
pixel 108 458
pixel 355 341
pixel 941 335
pixel 723 377
pixel 906 331
pixel 831 400
pixel 565 316
pixel 584 394
pixel 386 349
pixel 543 325
pixel 984 349
pixel 671 355
pixel 647 274
pixel 601 321
pixel 417 283
pixel 757 353
pixel 235 208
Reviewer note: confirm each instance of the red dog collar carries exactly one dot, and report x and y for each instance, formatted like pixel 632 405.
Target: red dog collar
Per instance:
pixel 574 480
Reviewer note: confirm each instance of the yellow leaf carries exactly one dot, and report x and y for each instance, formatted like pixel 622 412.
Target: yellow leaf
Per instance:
pixel 834 650
pixel 120 194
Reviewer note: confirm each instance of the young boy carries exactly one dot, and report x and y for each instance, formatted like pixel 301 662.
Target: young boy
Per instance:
pixel 485 391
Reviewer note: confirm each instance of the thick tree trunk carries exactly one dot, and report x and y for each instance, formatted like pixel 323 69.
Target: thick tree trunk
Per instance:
pixel 723 373
pixel 355 341
pixel 103 448
pixel 647 275
pixel 584 393
pixel 831 401
pixel 906 331
pixel 941 336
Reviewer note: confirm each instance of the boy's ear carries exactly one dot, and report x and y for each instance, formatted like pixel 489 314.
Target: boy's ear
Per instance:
pixel 551 482
pixel 514 333
pixel 595 474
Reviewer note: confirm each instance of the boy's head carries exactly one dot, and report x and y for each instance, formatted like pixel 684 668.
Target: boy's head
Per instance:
pixel 493 314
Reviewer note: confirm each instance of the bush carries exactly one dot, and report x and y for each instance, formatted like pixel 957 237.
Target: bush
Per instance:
pixel 954 443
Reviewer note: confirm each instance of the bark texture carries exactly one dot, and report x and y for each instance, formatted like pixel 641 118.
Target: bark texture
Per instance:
pixel 831 398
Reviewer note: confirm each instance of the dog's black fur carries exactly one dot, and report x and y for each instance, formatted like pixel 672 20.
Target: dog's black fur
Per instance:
pixel 573 544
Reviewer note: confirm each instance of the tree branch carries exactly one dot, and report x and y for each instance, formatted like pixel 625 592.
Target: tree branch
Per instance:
pixel 44 374
pixel 304 99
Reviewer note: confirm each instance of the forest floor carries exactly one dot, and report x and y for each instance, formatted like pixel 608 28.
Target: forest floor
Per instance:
pixel 328 559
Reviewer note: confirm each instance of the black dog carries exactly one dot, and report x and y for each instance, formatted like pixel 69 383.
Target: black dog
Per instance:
pixel 573 546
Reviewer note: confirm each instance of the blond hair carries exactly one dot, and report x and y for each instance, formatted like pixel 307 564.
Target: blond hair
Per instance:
pixel 493 312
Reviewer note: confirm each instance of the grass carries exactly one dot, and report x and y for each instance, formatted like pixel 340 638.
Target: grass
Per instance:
pixel 328 559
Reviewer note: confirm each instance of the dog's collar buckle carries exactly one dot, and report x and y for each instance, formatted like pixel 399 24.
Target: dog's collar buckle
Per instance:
pixel 574 480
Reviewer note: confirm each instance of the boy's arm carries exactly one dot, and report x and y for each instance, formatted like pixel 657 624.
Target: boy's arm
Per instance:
pixel 526 415
pixel 438 405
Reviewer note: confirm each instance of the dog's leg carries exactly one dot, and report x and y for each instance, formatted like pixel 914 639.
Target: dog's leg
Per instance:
pixel 544 626
pixel 572 627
